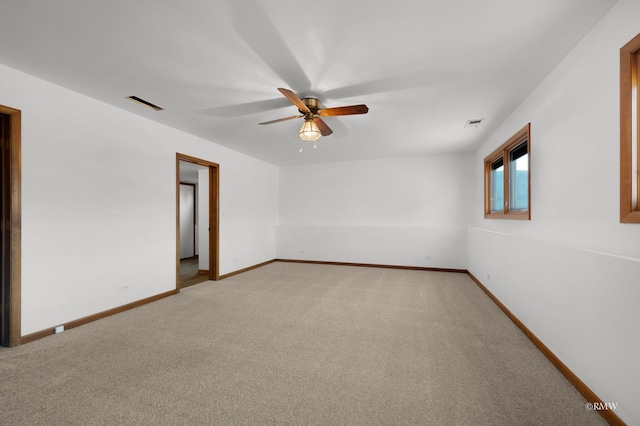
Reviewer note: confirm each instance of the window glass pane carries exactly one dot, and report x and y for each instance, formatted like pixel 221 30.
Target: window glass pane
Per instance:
pixel 519 178
pixel 497 185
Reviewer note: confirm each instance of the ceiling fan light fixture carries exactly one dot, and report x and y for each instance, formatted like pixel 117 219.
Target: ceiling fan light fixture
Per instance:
pixel 314 126
pixel 309 130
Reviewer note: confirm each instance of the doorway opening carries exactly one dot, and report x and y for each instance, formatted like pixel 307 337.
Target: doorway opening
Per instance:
pixel 197 220
pixel 10 229
pixel 194 224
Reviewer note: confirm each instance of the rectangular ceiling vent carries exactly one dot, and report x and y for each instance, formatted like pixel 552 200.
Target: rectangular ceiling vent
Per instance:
pixel 145 103
pixel 474 123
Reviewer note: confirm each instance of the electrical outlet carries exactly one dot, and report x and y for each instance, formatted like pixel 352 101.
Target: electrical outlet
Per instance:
pixel 124 288
pixel 59 329
pixel 427 258
pixel 301 251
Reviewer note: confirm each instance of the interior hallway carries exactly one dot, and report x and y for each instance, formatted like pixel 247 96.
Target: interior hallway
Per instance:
pixel 189 272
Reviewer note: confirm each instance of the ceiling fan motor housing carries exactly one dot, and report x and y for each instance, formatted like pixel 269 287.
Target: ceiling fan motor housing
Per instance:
pixel 313 104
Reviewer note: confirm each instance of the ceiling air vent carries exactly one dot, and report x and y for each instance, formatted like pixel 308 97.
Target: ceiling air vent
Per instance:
pixel 145 103
pixel 474 123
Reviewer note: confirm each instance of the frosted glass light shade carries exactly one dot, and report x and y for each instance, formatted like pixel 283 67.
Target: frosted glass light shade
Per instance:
pixel 309 131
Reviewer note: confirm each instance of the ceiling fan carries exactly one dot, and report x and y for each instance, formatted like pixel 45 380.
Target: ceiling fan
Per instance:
pixel 311 110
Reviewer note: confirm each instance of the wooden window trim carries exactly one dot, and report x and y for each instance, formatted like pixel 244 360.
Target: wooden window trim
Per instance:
pixel 629 138
pixel 521 136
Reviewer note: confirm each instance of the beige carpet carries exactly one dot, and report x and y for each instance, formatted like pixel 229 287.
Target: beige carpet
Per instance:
pixel 295 344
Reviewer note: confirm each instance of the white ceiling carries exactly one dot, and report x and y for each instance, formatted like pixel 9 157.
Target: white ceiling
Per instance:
pixel 423 67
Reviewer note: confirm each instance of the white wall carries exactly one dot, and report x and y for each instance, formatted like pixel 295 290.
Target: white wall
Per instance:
pixel 99 203
pixel 394 211
pixel 187 222
pixel 572 274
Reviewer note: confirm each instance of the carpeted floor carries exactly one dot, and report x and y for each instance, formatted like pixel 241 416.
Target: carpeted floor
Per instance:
pixel 295 344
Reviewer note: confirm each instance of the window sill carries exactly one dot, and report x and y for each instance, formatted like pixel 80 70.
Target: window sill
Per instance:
pixel 630 217
pixel 509 215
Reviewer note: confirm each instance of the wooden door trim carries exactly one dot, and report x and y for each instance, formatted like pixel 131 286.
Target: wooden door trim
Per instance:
pixel 214 215
pixel 14 224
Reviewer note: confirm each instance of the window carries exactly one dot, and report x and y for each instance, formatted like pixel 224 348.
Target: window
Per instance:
pixel 629 145
pixel 506 179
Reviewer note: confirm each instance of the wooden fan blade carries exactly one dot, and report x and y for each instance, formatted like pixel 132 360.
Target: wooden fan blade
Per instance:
pixel 282 119
pixel 345 110
pixel 324 129
pixel 294 99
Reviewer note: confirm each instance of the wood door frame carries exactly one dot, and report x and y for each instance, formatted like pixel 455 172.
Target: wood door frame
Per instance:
pixel 214 215
pixel 12 220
